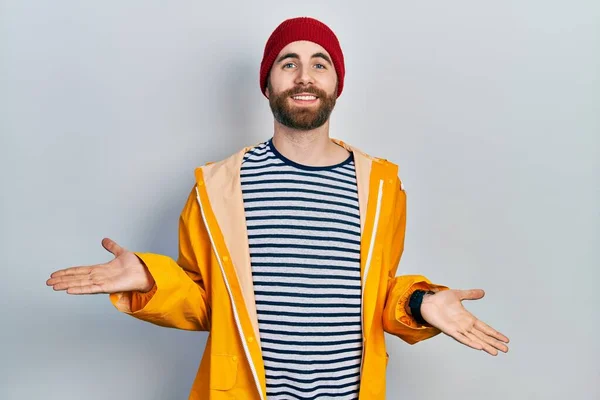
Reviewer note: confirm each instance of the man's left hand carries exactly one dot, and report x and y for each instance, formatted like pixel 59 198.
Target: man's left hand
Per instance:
pixel 444 310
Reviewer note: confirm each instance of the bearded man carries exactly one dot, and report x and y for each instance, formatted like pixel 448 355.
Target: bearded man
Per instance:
pixel 288 253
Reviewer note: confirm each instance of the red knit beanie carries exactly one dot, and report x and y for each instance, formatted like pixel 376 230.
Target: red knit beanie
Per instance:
pixel 302 28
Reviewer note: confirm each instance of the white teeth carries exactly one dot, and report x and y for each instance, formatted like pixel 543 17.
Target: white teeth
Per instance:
pixel 304 97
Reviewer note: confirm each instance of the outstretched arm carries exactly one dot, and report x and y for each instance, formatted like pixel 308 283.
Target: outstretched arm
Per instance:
pixel 441 311
pixel 152 287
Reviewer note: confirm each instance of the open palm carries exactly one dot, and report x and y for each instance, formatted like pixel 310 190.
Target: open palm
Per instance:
pixel 445 311
pixel 125 272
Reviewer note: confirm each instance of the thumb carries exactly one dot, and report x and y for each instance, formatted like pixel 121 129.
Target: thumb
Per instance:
pixel 113 247
pixel 472 294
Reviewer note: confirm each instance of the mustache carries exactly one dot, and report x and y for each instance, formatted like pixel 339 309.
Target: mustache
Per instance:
pixel 306 89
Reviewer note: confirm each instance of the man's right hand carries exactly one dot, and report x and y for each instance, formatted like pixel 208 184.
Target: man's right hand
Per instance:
pixel 124 273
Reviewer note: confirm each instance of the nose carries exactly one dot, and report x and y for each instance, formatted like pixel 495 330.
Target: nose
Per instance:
pixel 304 77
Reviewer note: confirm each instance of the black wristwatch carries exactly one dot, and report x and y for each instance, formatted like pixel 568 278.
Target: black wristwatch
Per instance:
pixel 414 303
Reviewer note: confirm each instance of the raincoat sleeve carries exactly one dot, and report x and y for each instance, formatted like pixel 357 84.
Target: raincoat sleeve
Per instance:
pixel 179 296
pixel 395 319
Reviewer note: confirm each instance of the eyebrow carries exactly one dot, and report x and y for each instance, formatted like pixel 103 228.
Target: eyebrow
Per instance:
pixel 295 55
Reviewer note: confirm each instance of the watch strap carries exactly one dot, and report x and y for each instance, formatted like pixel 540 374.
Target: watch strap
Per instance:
pixel 414 303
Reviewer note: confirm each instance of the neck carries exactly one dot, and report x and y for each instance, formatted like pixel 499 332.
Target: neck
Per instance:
pixel 311 148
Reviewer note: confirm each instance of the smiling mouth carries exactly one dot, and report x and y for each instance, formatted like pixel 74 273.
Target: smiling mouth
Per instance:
pixel 304 98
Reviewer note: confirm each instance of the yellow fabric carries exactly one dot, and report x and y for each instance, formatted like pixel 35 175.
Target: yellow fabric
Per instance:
pixel 204 278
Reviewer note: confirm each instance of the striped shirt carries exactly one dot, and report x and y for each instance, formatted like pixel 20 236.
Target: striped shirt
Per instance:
pixel 304 235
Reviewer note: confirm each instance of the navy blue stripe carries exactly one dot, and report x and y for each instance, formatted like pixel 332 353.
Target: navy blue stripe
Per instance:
pixel 350 174
pixel 315 397
pixel 306 228
pixel 276 217
pixel 302 208
pixel 258 150
pixel 304 343
pixel 313 352
pixel 303 324
pixel 297 265
pixel 330 361
pixel 299 218
pixel 293 181
pixel 311 200
pixel 257 160
pixel 306 285
pixel 307 256
pixel 299 173
pixel 308 315
pixel 327 305
pixel 311 371
pixel 271 376
pixel 324 333
pixel 246 167
pixel 313 389
pixel 299 190
pixel 303 246
pixel 308 276
pixel 304 237
pixel 309 295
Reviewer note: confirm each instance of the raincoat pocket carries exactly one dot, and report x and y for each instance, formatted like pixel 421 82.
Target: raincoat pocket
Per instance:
pixel 377 381
pixel 223 371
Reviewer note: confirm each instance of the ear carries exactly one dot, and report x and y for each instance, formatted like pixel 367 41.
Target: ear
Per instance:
pixel 268 85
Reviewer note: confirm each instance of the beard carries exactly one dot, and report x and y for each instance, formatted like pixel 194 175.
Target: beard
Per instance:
pixel 297 117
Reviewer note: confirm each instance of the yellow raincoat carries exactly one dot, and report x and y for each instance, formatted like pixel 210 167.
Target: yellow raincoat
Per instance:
pixel 210 288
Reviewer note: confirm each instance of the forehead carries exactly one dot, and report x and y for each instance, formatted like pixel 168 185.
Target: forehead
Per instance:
pixel 303 48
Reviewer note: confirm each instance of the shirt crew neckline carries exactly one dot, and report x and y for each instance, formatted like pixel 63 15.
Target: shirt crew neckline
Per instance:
pixel 307 167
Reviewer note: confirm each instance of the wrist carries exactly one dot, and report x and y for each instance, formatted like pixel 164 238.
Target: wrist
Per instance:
pixel 413 305
pixel 146 279
pixel 149 281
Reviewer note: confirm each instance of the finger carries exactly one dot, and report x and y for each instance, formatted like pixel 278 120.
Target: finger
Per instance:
pixel 471 294
pixel 488 330
pixel 486 347
pixel 71 283
pixel 490 340
pixel 113 247
pixel 466 341
pixel 72 271
pixel 61 279
pixel 88 289
pixel 66 278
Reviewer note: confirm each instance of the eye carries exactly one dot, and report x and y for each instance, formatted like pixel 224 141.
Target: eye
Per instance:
pixel 285 65
pixel 320 65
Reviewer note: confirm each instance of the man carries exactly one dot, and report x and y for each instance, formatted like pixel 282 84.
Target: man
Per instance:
pixel 288 253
